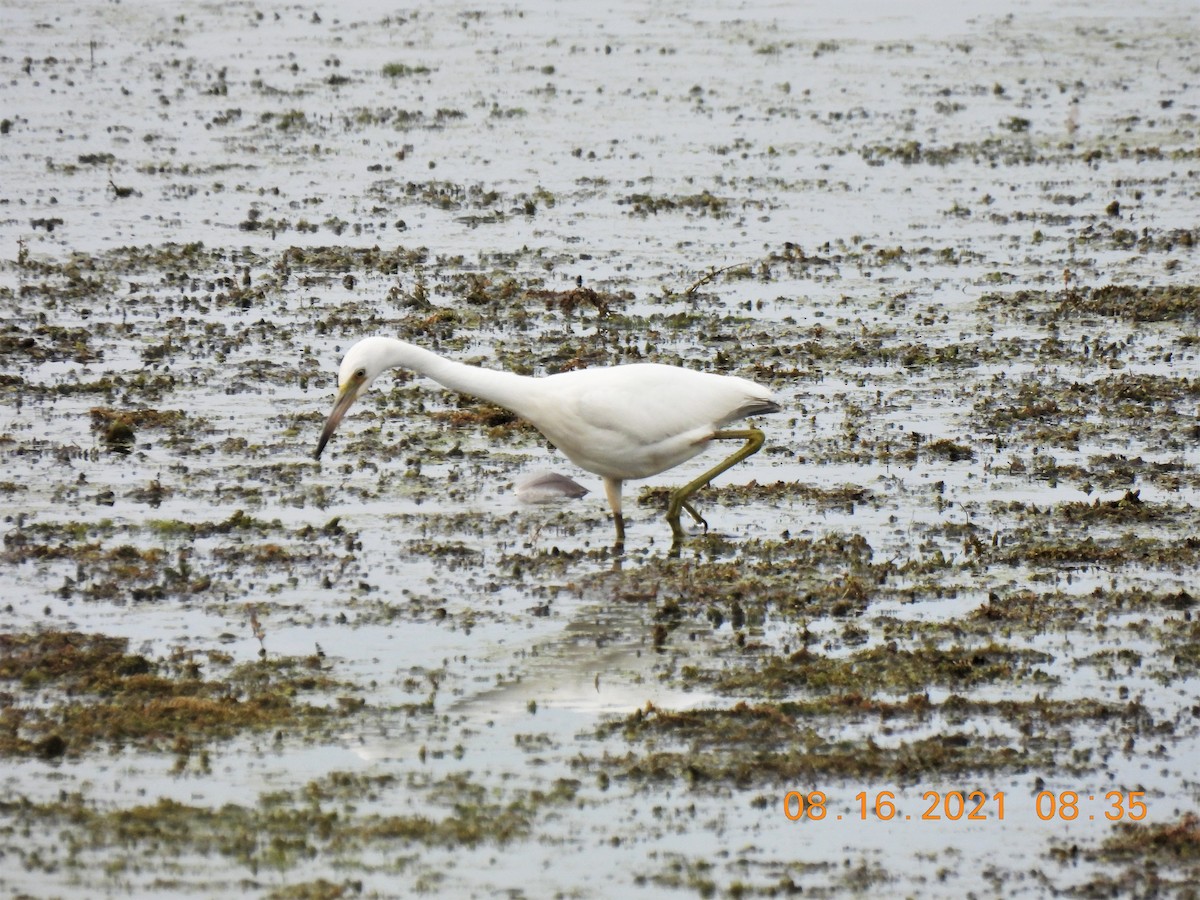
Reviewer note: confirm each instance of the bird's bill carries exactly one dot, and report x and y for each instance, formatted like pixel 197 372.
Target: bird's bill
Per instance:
pixel 343 403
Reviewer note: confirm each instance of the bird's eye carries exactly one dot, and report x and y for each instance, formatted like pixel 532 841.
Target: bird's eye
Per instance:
pixel 361 373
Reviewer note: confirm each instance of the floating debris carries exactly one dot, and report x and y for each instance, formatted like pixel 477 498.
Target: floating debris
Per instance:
pixel 548 487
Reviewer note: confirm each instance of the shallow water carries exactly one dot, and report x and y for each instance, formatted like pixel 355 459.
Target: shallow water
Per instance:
pixel 202 209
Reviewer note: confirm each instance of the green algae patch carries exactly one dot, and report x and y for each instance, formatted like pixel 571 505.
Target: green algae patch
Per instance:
pixel 44 342
pixel 318 889
pixel 1061 412
pixel 1140 859
pixel 342 821
pixel 1027 546
pixel 778 723
pixel 1135 303
pixel 1168 843
pixel 843 497
pixel 1130 508
pixel 783 741
pixel 702 203
pixel 1176 303
pixel 70 692
pixel 117 429
pixel 886 668
pixel 812 756
pixel 103 418
pixel 403 70
pixel 159 559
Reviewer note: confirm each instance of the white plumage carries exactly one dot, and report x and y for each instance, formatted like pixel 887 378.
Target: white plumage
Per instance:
pixel 620 422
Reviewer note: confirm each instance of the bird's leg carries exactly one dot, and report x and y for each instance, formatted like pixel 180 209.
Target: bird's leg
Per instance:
pixel 612 487
pixel 679 498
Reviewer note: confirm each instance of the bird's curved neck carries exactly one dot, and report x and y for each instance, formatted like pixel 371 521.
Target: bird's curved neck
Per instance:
pixel 505 389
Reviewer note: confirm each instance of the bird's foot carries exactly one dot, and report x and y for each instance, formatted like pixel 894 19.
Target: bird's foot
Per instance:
pixel 619 521
pixel 677 533
pixel 699 519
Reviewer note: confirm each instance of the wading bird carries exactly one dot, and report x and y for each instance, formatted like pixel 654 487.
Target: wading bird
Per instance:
pixel 620 422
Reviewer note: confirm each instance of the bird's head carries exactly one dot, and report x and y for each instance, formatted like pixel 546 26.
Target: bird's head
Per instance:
pixel 361 365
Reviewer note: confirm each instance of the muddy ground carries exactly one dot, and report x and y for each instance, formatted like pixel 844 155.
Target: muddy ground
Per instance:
pixel 941 635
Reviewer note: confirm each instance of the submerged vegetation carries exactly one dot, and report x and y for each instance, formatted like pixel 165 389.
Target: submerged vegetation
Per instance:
pixel 90 690
pixel 321 822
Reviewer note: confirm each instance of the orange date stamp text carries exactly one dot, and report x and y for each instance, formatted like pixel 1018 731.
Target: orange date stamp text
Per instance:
pixel 970 806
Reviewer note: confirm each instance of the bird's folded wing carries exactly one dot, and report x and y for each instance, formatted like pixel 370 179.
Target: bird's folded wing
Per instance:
pixel 660 405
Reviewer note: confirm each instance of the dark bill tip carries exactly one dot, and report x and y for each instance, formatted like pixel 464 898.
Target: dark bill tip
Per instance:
pixel 344 402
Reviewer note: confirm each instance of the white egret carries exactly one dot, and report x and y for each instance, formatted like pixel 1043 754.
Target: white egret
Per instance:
pixel 620 422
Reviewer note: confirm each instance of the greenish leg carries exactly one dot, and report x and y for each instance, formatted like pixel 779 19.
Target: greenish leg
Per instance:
pixel 679 499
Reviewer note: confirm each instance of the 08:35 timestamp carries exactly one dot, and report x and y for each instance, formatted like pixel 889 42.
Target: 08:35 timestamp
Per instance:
pixel 971 806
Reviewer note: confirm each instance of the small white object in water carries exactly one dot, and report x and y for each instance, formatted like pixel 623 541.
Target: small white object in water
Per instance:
pixel 548 487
